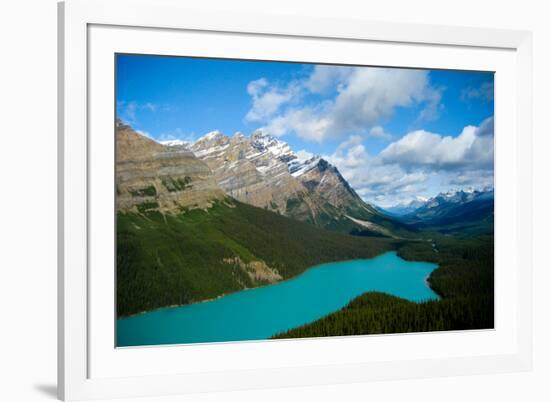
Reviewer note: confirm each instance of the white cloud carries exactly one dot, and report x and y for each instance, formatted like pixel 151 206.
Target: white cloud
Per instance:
pixel 256 86
pixel 128 110
pixel 388 181
pixel 307 122
pixel 433 107
pixel 379 132
pixel 350 153
pixel 371 94
pixel 484 92
pixel 469 178
pixel 357 99
pixel 370 179
pixel 266 100
pixel 420 163
pixel 472 149
pixel 324 79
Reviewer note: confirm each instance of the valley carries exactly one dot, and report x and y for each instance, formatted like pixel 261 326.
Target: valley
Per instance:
pixel 259 313
pixel 165 260
pixel 464 280
pixel 198 221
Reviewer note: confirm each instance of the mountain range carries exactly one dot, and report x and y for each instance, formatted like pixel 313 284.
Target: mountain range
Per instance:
pixel 466 210
pixel 196 220
pixel 259 170
pixel 263 171
pixel 405 207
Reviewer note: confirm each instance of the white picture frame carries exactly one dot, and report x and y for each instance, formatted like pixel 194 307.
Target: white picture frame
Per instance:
pixel 89 367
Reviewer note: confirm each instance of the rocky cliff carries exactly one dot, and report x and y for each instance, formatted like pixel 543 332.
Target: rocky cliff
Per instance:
pixel 263 171
pixel 151 176
pixel 259 170
pixel 248 171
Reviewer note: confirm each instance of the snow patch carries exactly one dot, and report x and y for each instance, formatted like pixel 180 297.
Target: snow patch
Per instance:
pixel 174 143
pixel 210 150
pixel 298 168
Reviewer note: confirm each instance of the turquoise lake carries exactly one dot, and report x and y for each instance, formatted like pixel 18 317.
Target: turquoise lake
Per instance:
pixel 260 313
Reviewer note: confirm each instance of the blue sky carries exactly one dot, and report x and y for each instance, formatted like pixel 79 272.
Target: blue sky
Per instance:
pixel 395 134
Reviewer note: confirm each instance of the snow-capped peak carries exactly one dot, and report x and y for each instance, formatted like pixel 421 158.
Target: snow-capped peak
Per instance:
pixel 210 136
pixel 175 143
pixel 262 145
pixel 265 142
pixel 464 194
pixel 453 196
pixel 210 144
pixel 260 134
pixel 459 196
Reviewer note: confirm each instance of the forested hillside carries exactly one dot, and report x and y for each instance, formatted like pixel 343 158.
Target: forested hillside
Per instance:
pixel 165 260
pixel 464 280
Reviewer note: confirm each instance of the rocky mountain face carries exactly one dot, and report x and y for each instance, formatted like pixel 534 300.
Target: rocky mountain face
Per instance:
pixel 325 181
pixel 247 171
pixel 438 205
pixel 152 176
pixel 259 170
pixel 263 171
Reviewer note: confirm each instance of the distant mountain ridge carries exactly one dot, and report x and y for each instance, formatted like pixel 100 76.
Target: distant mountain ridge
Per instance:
pixel 465 208
pixel 404 208
pixel 222 214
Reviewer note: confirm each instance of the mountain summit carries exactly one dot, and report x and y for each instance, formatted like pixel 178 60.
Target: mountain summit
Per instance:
pixel 264 171
pixel 183 235
pixel 259 170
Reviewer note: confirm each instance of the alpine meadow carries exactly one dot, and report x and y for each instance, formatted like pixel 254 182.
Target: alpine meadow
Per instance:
pixel 267 200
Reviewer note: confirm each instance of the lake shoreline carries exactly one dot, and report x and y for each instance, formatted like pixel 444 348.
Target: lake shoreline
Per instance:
pixel 255 287
pixel 241 316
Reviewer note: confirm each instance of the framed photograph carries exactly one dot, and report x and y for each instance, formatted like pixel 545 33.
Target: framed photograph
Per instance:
pixel 252 201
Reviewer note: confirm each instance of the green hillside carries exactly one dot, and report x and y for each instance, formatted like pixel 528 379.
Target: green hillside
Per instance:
pixel 380 313
pixel 165 260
